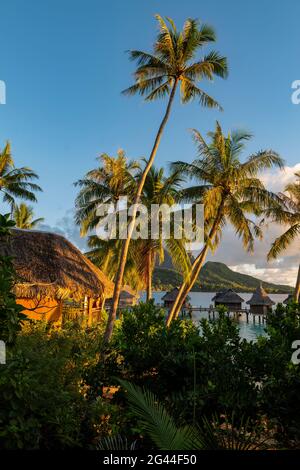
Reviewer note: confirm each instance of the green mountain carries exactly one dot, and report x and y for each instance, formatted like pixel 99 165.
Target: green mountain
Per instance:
pixel 213 277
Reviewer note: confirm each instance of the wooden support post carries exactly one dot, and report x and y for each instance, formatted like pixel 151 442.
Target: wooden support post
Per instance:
pixel 90 312
pixel 101 307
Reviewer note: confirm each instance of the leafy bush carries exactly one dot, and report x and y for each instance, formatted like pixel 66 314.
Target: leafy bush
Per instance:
pixel 59 390
pixel 11 315
pixel 280 384
pixel 44 403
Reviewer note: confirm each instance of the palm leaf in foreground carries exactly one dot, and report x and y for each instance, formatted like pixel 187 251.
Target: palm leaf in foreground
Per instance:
pixel 166 435
pixel 157 422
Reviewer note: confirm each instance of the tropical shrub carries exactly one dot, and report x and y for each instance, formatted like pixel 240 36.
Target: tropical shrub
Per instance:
pixel 44 399
pixel 11 316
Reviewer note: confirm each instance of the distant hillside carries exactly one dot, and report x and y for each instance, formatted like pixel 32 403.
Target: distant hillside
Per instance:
pixel 214 276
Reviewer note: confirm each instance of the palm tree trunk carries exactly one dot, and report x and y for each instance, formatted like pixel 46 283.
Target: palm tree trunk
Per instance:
pixel 196 268
pixel 149 276
pixel 297 289
pixel 126 242
pixel 187 285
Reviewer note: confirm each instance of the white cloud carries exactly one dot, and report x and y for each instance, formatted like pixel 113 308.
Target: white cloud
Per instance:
pixel 277 180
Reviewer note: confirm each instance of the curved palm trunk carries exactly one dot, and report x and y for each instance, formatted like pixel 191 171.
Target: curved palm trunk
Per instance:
pixel 196 268
pixel 125 246
pixel 149 276
pixel 187 286
pixel 297 289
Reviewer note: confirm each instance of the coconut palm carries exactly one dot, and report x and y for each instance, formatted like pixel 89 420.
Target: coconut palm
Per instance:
pixel 106 255
pixel 287 214
pixel 172 65
pixel 158 190
pixel 230 191
pixel 114 178
pixel 15 182
pixel 23 217
pixel 144 253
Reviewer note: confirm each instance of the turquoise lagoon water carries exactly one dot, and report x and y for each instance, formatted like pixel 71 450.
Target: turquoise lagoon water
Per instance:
pixel 249 331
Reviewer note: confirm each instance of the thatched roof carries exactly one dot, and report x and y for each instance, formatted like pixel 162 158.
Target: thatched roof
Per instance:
pixel 172 295
pixel 125 294
pixel 228 296
pixel 49 266
pixel 260 297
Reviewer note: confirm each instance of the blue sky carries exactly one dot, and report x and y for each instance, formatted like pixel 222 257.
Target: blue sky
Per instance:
pixel 64 65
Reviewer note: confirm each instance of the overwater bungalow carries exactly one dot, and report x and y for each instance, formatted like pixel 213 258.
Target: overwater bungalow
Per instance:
pixel 50 270
pixel 229 298
pixel 260 303
pixel 127 298
pixel 170 297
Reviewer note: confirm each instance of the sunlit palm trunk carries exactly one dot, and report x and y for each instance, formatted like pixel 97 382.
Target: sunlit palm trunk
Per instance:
pixel 196 268
pixel 297 289
pixel 149 276
pixel 125 246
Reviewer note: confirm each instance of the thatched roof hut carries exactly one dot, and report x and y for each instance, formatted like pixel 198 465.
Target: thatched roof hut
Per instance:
pixel 170 297
pixel 49 266
pixel 260 302
pixel 229 298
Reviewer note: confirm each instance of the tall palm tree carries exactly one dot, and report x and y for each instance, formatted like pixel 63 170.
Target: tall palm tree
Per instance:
pixel 160 189
pixel 288 214
pixel 230 191
pixel 143 254
pixel 172 64
pixel 23 217
pixel 114 178
pixel 15 182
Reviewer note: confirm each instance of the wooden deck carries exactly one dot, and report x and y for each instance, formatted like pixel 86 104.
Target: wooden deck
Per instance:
pixel 213 312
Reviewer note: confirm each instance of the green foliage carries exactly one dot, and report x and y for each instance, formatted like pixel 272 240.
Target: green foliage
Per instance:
pixel 280 382
pixel 174 60
pixel 161 427
pixel 23 217
pixel 194 387
pixel 44 400
pixel 16 182
pixel 157 422
pixel 10 312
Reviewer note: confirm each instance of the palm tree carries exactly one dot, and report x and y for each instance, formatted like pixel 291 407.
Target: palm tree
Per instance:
pixel 143 254
pixel 114 178
pixel 159 190
pixel 106 255
pixel 171 65
pixel 15 182
pixel 23 217
pixel 230 191
pixel 287 214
